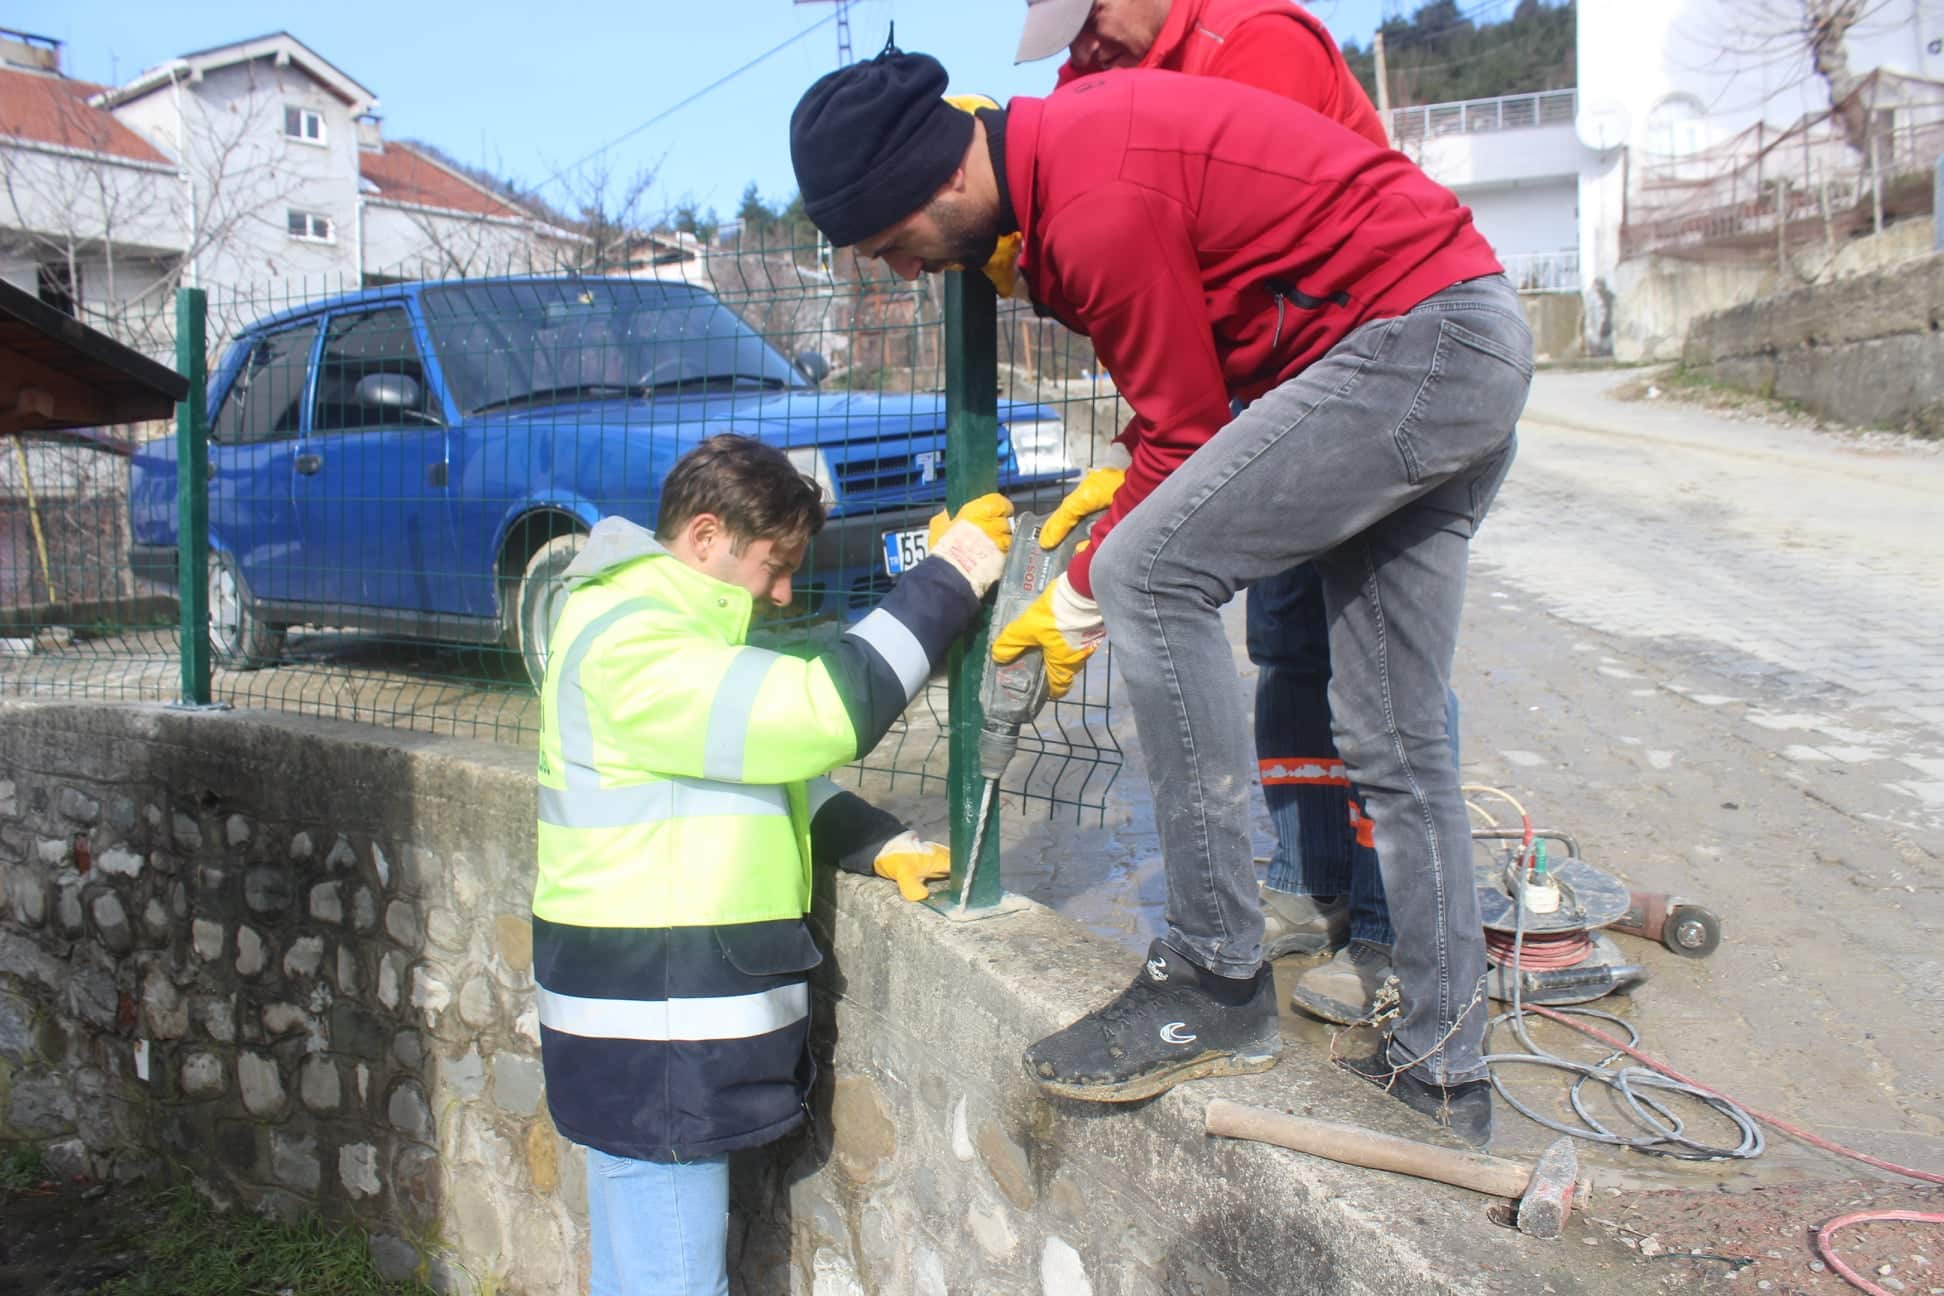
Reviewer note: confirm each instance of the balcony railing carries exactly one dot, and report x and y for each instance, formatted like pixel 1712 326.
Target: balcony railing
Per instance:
pixel 1543 272
pixel 1507 112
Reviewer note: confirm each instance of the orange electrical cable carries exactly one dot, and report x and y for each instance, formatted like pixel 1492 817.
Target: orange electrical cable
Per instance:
pixel 1850 1275
pixel 1824 1232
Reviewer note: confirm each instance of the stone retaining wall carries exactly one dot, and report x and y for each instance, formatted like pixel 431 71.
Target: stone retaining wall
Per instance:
pixel 292 956
pixel 1866 350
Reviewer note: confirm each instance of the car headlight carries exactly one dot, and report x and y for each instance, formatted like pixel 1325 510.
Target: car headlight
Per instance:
pixel 810 461
pixel 1039 446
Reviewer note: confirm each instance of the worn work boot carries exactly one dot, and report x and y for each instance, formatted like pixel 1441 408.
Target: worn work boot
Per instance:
pixel 1344 990
pixel 1464 1109
pixel 1176 1022
pixel 1300 924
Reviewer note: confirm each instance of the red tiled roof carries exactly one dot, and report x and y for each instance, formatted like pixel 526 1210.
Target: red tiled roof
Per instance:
pixel 403 174
pixel 54 110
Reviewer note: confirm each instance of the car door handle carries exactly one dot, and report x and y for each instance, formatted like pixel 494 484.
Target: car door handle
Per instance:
pixel 308 464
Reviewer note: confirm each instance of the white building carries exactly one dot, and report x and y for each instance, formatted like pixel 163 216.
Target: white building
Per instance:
pixel 91 213
pixel 1698 117
pixel 256 170
pixel 1653 191
pixel 1515 162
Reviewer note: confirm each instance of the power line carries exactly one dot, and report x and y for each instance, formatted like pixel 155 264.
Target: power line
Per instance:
pixel 674 108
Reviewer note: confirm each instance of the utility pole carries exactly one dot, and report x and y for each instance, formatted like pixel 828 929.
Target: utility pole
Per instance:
pixel 1383 80
pixel 825 253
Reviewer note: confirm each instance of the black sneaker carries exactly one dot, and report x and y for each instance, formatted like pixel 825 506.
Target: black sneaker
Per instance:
pixel 1464 1109
pixel 1176 1022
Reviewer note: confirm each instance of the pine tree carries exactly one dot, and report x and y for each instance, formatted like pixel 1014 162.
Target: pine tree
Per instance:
pixel 1441 55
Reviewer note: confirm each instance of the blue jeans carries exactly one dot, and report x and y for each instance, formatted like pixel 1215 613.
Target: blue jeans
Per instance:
pixel 656 1228
pixel 1378 463
pixel 1324 840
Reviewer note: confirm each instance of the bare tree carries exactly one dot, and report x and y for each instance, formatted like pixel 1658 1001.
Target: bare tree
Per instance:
pixel 1826 27
pixel 458 245
pixel 526 235
pixel 81 201
pixel 1774 41
pixel 72 204
pixel 609 212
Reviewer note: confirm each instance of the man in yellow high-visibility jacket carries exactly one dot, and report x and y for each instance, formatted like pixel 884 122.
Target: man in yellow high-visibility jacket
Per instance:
pixel 682 802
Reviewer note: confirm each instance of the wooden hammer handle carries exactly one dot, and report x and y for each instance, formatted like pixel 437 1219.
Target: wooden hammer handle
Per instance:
pixel 1362 1147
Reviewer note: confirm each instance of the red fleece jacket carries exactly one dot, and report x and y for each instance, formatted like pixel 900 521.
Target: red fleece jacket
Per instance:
pixel 1274 45
pixel 1214 240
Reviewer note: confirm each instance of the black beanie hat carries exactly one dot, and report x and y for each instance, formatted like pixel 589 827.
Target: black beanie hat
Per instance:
pixel 871 143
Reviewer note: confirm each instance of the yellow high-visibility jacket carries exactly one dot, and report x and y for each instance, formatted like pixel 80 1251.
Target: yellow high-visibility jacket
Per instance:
pixel 681 788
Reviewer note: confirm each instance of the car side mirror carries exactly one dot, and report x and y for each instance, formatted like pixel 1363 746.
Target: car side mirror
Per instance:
pixel 813 365
pixel 390 392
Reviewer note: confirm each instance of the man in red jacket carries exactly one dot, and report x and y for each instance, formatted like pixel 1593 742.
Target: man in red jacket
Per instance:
pixel 1219 243
pixel 1324 890
pixel 1276 45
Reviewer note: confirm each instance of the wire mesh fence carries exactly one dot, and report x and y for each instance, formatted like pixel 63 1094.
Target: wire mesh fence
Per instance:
pixel 399 473
pixel 1766 191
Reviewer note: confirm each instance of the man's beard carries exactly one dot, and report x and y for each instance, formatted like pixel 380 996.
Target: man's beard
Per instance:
pixel 970 245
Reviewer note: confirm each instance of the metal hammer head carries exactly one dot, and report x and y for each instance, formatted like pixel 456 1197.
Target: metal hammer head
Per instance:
pixel 1548 1198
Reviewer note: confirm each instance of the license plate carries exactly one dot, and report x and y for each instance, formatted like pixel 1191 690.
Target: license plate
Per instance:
pixel 905 549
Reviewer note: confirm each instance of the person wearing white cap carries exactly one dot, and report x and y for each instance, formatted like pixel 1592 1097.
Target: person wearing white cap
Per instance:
pixel 1324 891
pixel 1219 244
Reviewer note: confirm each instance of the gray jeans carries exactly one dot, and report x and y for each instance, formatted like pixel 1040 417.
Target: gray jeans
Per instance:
pixel 1378 462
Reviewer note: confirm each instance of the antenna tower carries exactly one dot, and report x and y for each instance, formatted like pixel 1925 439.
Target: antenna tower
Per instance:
pixel 844 56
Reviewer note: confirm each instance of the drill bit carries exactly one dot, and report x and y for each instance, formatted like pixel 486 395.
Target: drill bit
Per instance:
pixel 1010 696
pixel 978 840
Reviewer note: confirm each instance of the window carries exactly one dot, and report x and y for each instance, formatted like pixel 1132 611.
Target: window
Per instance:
pixel 309 226
pixel 512 342
pixel 267 398
pixel 58 283
pixel 303 124
pixel 358 348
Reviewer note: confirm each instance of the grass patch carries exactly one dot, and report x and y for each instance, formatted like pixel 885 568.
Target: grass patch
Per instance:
pixel 1693 387
pixel 21 1167
pixel 192 1250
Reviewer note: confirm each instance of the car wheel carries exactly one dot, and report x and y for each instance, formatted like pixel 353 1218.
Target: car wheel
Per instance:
pixel 238 637
pixel 541 595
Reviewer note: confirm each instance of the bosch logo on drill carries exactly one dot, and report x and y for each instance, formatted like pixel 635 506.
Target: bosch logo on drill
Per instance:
pixel 1032 575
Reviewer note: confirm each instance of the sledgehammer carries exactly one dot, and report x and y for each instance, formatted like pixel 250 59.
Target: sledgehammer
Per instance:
pixel 1546 1192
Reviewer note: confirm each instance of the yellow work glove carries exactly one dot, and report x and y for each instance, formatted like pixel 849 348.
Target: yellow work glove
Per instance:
pixel 1094 493
pixel 911 863
pixel 975 541
pixel 1066 627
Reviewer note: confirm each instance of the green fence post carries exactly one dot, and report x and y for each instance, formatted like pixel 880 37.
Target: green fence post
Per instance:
pixel 192 495
pixel 971 470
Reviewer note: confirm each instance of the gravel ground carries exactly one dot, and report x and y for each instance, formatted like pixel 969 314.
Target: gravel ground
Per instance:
pixel 1764 1240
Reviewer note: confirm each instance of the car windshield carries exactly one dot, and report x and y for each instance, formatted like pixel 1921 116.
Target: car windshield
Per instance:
pixel 526 342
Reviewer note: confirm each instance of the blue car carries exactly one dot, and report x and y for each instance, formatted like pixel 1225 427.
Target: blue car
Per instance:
pixel 423 460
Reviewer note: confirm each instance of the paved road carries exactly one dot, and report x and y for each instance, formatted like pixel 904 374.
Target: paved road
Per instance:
pixel 1714 649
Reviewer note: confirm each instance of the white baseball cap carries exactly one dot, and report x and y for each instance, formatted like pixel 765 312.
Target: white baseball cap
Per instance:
pixel 1051 26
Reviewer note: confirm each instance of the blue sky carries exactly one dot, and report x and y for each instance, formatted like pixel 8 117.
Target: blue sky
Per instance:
pixel 529 89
